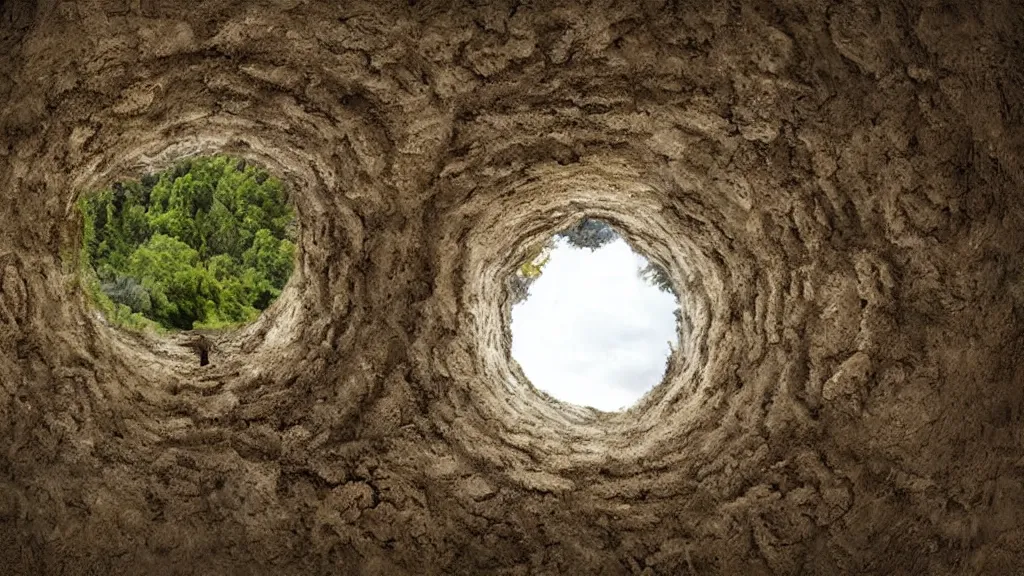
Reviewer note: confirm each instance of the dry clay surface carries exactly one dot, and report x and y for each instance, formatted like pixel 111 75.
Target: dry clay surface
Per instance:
pixel 837 189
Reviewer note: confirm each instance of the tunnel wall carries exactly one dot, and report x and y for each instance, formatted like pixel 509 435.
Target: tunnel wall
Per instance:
pixel 836 188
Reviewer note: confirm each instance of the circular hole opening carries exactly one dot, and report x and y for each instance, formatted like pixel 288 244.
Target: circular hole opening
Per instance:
pixel 207 244
pixel 594 323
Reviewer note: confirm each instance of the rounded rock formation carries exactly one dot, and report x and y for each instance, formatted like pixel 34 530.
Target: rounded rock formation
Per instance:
pixel 837 190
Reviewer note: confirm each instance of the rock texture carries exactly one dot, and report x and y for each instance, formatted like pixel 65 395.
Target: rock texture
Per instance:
pixel 836 187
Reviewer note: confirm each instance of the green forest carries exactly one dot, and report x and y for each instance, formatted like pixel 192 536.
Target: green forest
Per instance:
pixel 206 244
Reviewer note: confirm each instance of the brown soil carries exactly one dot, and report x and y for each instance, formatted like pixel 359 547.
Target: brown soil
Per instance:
pixel 838 189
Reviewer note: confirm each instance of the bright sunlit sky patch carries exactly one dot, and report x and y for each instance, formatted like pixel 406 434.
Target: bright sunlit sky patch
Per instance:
pixel 592 331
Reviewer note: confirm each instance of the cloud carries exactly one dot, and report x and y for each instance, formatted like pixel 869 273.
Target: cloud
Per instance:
pixel 592 332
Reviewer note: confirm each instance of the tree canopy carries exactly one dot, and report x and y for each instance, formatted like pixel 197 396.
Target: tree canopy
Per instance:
pixel 208 243
pixel 589 233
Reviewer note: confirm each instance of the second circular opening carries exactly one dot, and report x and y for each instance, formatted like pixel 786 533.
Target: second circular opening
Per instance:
pixel 594 323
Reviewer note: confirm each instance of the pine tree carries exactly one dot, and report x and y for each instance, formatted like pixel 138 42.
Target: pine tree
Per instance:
pixel 589 233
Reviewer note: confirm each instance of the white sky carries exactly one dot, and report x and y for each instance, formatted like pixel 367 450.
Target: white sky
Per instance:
pixel 592 332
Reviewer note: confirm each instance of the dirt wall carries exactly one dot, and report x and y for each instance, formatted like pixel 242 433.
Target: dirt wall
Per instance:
pixel 836 188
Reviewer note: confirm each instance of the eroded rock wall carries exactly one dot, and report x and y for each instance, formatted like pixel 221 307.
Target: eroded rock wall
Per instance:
pixel 837 188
